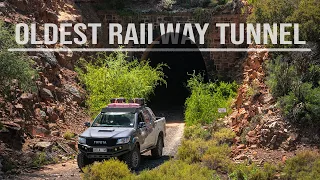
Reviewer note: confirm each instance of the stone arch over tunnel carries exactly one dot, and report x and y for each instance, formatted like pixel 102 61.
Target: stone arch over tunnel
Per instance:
pixel 181 65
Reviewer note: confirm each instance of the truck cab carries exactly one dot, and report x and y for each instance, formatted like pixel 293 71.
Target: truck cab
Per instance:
pixel 123 130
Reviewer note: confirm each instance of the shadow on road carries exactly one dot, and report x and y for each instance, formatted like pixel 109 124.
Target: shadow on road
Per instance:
pixel 148 162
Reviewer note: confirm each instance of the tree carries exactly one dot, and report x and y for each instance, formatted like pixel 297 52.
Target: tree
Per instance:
pixel 14 65
pixel 111 76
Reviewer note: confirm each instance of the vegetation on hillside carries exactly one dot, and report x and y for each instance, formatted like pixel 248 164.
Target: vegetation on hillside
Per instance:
pixel 13 65
pixel 294 77
pixel 110 76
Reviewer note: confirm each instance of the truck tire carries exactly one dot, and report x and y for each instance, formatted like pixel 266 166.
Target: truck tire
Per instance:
pixel 133 158
pixel 157 151
pixel 82 160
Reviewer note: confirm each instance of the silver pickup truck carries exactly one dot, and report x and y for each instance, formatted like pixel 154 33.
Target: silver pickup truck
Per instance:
pixel 124 130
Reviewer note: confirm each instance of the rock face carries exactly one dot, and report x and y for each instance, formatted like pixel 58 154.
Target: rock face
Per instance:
pixel 53 107
pixel 255 118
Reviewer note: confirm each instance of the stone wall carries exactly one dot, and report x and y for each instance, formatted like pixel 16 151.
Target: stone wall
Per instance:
pixel 221 64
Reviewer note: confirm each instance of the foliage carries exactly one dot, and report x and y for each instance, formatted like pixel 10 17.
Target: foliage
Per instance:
pixel 191 151
pixel 205 99
pixel 304 12
pixel 217 157
pixel 224 135
pixel 68 135
pixel 111 169
pixel 40 159
pixel 305 165
pixel 282 76
pixel 252 172
pixel 294 80
pixel 167 4
pixel 175 169
pixel 195 132
pixel 14 65
pixel 111 76
pixel 203 3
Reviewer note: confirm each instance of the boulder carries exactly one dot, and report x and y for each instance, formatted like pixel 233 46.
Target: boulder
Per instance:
pixel 77 96
pixel 43 146
pixel 46 94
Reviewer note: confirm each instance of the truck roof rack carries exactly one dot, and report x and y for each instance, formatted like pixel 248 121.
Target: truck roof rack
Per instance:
pixel 140 101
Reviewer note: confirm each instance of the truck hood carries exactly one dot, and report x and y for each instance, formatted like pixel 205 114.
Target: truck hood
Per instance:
pixel 107 132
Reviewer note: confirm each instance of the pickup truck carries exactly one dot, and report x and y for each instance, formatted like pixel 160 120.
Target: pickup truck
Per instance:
pixel 123 130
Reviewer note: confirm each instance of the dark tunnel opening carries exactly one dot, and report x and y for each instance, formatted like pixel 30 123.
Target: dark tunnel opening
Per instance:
pixel 181 65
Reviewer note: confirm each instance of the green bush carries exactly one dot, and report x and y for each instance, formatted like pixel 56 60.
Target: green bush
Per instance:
pixel 295 83
pixel 217 157
pixel 252 172
pixel 224 135
pixel 112 169
pixel 68 135
pixel 196 132
pixel 41 159
pixel 111 76
pixel 305 165
pixel 191 151
pixel 14 65
pixel 205 99
pixel 282 76
pixel 174 169
pixel 304 12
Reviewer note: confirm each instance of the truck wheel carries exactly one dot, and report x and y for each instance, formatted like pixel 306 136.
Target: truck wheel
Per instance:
pixel 157 151
pixel 133 158
pixel 82 160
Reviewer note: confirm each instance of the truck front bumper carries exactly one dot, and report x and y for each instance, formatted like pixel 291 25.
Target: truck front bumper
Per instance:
pixel 112 151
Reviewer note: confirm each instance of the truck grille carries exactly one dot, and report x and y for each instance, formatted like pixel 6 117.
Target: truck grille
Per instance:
pixel 109 142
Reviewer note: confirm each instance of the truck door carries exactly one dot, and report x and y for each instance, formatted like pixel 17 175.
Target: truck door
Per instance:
pixel 143 133
pixel 155 132
pixel 150 126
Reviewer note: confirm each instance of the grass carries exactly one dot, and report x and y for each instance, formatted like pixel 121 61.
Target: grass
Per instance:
pixel 68 135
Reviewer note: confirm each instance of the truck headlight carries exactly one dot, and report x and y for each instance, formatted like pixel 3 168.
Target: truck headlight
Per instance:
pixel 123 140
pixel 82 140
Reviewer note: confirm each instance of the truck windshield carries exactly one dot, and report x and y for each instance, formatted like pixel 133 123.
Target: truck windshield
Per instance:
pixel 114 119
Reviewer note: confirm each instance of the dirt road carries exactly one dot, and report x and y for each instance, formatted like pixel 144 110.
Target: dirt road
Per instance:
pixel 69 170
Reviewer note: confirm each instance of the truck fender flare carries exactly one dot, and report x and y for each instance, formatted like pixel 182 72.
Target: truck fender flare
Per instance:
pixel 135 141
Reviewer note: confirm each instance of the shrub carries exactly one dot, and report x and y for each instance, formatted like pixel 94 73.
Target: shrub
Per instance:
pixel 282 76
pixel 111 169
pixel 252 172
pixel 217 157
pixel 305 165
pixel 224 135
pixel 68 135
pixel 13 65
pixel 196 132
pixel 40 159
pixel 175 169
pixel 205 99
pixel 167 4
pixel 111 76
pixel 295 82
pixel 304 12
pixel 191 151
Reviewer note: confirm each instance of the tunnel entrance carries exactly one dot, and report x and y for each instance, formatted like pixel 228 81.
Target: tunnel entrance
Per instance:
pixel 180 65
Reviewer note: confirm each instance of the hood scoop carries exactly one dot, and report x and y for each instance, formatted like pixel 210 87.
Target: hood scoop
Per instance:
pixel 106 130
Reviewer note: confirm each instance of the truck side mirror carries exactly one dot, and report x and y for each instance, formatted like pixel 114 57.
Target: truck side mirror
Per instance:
pixel 142 124
pixel 87 124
